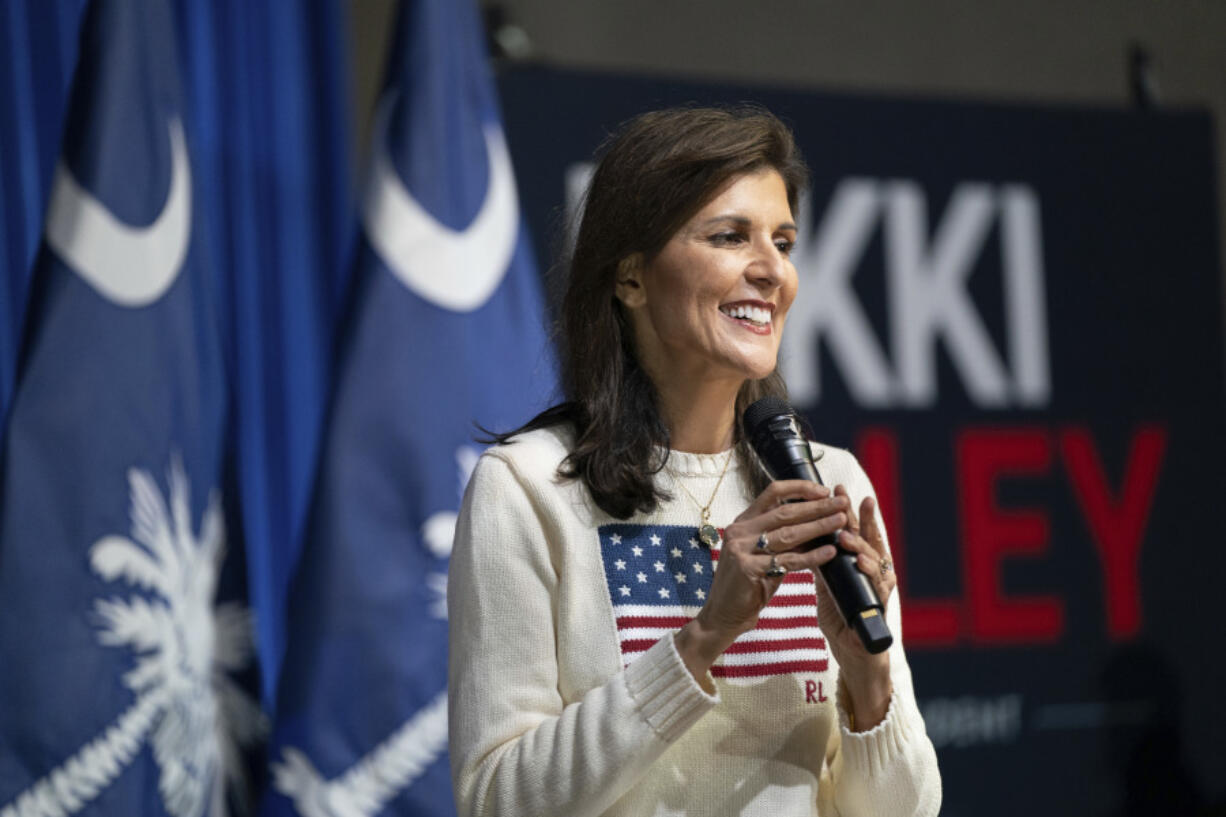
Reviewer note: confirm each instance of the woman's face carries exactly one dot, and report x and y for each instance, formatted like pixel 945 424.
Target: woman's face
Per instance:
pixel 712 302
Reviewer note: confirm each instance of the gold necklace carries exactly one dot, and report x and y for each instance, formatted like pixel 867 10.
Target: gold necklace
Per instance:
pixel 706 531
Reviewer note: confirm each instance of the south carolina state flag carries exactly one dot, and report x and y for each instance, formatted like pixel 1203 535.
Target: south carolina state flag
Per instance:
pixel 114 692
pixel 446 331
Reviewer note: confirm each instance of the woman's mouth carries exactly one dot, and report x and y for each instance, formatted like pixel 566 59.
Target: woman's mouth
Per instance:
pixel 756 318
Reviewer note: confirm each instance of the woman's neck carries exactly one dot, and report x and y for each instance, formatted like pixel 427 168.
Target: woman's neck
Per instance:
pixel 700 417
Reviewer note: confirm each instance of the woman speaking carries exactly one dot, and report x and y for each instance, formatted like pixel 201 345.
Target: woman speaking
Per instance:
pixel 636 626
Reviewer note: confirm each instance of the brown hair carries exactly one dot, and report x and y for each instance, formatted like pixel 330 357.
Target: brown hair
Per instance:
pixel 655 172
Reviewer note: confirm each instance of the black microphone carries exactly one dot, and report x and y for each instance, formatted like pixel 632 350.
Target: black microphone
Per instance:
pixel 774 433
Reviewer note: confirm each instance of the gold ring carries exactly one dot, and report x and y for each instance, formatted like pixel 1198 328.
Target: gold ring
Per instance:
pixel 775 570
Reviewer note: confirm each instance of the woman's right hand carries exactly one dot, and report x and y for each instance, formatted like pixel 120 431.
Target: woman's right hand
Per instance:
pixel 741 587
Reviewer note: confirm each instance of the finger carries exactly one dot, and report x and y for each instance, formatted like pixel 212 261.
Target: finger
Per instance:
pixel 798 513
pixel 775 579
pixel 777 521
pixel 809 560
pixel 790 537
pixel 884 580
pixel 870 531
pixel 853 523
pixel 857 545
pixel 891 582
pixel 781 491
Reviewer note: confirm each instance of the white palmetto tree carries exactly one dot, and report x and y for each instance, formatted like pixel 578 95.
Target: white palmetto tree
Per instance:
pixel 197 716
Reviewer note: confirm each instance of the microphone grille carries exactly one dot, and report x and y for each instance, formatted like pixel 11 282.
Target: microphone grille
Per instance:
pixel 762 410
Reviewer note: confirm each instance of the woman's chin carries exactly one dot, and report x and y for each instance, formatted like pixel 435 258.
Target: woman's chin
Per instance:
pixel 756 369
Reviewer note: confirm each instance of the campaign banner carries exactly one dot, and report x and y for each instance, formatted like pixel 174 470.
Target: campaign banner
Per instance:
pixel 1012 315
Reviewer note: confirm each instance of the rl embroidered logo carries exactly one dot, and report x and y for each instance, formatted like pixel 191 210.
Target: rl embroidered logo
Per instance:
pixel 814 694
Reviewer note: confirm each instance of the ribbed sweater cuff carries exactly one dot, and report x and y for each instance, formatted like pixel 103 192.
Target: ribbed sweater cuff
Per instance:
pixel 876 749
pixel 665 692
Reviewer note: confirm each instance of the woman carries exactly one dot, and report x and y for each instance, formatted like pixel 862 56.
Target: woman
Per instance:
pixel 599 663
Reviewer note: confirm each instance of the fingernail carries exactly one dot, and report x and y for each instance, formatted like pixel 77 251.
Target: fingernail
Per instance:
pixel 846 537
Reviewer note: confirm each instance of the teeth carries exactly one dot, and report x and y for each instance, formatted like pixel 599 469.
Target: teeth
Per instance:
pixel 752 314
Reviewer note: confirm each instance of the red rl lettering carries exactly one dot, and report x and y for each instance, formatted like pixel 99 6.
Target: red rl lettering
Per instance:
pixel 1116 520
pixel 814 688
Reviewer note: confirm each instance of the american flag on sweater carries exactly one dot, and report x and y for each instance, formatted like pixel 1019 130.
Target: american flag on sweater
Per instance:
pixel 659 577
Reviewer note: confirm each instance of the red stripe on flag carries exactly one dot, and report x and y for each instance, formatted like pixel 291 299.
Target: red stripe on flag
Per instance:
pixel 786 623
pixel 743 647
pixel 671 622
pixel 738 647
pixel 793 601
pixel 759 670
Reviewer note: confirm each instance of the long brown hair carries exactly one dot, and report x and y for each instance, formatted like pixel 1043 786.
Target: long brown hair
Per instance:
pixel 655 172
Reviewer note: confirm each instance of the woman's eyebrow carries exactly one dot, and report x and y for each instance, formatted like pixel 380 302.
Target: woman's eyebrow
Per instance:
pixel 740 221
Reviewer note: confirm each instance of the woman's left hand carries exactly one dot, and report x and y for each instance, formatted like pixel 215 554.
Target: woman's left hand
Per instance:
pixel 864 676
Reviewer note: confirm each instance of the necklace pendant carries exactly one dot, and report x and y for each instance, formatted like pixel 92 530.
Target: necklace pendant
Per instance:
pixel 709 535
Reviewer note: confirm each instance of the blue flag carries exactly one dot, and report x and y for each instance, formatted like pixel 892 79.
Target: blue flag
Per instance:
pixel 266 90
pixel 38 49
pixel 447 330
pixel 113 654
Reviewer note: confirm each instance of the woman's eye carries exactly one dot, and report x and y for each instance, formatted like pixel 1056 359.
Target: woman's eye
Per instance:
pixel 784 245
pixel 727 238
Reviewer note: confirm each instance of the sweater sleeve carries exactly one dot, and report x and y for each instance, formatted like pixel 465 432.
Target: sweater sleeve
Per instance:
pixel 890 770
pixel 516 746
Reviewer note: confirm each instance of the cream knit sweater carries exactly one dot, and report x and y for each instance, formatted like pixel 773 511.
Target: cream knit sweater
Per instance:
pixel 568 697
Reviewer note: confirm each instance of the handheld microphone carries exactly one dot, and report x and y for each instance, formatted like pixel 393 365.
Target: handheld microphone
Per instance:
pixel 773 432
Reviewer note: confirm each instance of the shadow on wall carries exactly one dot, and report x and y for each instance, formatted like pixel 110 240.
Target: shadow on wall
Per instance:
pixel 1153 775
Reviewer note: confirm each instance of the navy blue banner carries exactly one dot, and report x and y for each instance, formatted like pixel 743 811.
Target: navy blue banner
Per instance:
pixel 1012 316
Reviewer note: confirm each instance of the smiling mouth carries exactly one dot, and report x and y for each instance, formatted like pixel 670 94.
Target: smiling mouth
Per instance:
pixel 755 316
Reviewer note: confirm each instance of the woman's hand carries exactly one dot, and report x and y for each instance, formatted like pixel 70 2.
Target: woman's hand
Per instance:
pixel 741 586
pixel 865 677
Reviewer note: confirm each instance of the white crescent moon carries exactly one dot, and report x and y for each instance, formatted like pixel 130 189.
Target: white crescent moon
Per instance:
pixel 131 266
pixel 457 270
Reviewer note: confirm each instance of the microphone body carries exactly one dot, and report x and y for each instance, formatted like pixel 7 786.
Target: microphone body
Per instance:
pixel 772 430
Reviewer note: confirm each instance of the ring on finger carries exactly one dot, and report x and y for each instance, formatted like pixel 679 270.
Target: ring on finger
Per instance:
pixel 775 570
pixel 885 567
pixel 764 543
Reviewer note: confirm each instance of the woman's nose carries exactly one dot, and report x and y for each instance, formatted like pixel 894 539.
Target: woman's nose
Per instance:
pixel 768 268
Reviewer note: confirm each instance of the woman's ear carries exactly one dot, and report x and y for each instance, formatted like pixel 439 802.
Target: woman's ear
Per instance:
pixel 629 289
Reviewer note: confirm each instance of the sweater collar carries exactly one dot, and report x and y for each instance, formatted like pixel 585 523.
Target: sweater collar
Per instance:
pixel 685 464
